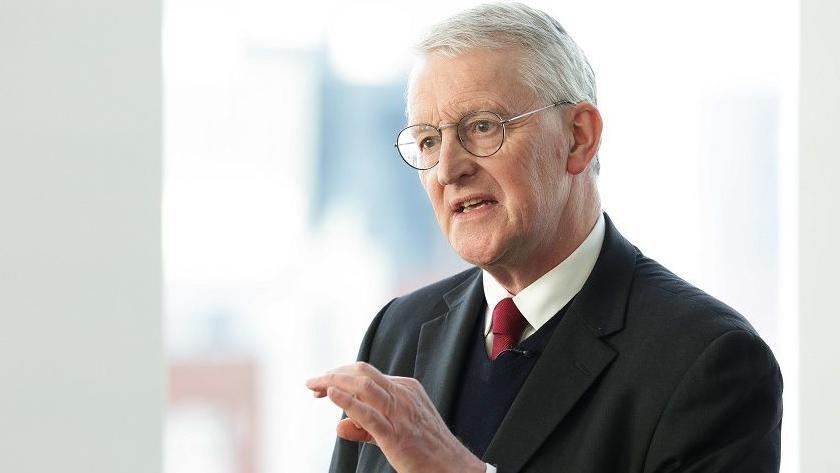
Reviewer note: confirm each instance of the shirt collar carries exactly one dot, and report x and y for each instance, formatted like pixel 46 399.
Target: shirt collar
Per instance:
pixel 543 298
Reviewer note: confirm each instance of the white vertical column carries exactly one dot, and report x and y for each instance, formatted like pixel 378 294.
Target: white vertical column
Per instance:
pixel 819 234
pixel 81 378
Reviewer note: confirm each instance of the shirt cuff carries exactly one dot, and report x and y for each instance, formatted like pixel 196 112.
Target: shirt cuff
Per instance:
pixel 490 468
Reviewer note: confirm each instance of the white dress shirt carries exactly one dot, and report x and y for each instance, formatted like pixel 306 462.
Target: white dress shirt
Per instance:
pixel 543 298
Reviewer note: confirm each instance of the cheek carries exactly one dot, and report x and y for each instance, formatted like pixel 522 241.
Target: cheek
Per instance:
pixel 427 181
pixel 434 192
pixel 546 186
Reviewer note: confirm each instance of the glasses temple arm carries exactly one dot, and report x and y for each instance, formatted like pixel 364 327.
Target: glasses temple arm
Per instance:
pixel 523 115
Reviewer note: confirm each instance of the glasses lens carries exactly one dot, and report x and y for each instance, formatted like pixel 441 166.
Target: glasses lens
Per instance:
pixel 419 146
pixel 481 133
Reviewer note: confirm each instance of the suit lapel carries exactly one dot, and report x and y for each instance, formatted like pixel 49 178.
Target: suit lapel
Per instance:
pixel 573 359
pixel 444 341
pixel 571 362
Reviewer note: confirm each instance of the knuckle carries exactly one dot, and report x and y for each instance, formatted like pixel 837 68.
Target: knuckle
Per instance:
pixel 413 383
pixel 367 384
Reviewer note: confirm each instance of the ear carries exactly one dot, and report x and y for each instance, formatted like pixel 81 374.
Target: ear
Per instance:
pixel 586 135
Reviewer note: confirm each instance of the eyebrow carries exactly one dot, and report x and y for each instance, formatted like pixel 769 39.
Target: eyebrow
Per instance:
pixel 485 106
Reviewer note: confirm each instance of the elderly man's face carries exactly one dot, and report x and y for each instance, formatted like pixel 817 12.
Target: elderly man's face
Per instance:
pixel 523 188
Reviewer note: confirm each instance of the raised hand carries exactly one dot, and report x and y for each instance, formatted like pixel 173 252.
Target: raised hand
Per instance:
pixel 396 414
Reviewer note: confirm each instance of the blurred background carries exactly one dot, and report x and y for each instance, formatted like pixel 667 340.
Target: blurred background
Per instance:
pixel 289 219
pixel 211 187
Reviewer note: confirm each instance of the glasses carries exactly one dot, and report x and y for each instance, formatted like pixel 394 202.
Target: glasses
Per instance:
pixel 480 133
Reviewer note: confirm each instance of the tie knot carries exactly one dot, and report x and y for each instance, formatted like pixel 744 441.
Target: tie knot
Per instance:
pixel 507 320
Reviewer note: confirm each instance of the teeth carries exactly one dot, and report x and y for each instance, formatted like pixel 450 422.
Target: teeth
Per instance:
pixel 469 204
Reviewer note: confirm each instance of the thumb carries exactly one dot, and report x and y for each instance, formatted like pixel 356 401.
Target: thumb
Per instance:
pixel 348 429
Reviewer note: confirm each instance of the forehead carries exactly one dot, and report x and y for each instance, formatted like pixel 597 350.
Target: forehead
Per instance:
pixel 444 88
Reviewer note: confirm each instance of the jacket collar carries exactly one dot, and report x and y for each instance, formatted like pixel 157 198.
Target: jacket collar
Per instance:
pixel 444 341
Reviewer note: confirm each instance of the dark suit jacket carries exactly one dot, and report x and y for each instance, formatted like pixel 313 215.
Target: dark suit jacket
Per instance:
pixel 644 373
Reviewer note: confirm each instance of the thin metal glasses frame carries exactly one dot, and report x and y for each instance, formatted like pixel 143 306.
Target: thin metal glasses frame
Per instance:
pixel 502 122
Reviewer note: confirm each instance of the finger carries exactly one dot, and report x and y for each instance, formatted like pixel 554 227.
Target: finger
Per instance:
pixel 404 380
pixel 411 383
pixel 370 371
pixel 365 416
pixel 317 383
pixel 349 430
pixel 360 368
pixel 359 386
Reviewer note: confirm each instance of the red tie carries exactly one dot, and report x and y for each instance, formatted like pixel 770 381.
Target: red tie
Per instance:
pixel 508 325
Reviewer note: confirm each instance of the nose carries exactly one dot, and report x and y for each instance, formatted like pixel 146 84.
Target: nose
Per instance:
pixel 454 163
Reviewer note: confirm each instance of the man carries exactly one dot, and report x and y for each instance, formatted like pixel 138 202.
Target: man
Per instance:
pixel 565 349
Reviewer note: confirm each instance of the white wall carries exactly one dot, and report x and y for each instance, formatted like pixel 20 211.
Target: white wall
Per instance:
pixel 81 373
pixel 819 231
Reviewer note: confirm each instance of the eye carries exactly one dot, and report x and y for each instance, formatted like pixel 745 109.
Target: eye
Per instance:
pixel 482 126
pixel 427 142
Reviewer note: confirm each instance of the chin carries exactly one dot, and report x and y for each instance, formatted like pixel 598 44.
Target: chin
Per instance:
pixel 478 254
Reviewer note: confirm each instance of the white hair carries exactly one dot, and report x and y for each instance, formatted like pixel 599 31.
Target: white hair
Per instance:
pixel 554 67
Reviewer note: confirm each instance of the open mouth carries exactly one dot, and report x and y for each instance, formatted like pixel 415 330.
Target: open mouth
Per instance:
pixel 473 204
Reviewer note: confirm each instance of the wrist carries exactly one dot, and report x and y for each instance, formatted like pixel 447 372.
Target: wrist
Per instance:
pixel 472 463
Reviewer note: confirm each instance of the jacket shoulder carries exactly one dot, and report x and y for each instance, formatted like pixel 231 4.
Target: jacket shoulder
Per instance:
pixel 661 293
pixel 670 324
